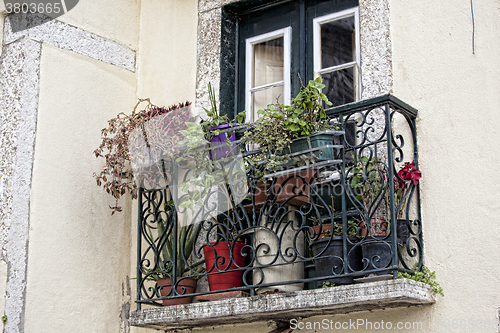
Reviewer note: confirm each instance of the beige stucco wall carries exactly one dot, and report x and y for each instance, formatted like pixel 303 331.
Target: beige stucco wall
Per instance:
pixel 80 258
pixel 3 281
pixel 116 20
pixel 167 53
pixel 79 255
pixel 456 93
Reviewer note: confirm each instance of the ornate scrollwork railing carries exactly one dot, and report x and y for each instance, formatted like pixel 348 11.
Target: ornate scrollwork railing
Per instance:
pixel 354 217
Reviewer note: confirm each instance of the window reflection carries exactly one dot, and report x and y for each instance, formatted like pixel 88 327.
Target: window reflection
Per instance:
pixel 337 42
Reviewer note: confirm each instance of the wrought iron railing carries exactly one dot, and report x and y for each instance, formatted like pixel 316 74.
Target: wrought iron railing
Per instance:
pixel 352 216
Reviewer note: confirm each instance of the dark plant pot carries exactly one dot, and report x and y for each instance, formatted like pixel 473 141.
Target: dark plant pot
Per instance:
pixel 403 232
pixel 378 249
pixel 184 286
pixel 225 280
pixel 378 253
pixel 333 253
pixel 220 148
pixel 318 139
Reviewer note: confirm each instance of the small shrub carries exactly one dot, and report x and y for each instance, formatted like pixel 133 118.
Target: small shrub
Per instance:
pixel 425 276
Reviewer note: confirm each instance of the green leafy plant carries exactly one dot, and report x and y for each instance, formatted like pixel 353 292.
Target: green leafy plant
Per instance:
pixel 327 284
pixel 203 177
pixel 180 254
pixel 271 136
pixel 116 176
pixel 213 119
pixel 352 226
pixel 426 276
pixel 195 159
pixel 369 177
pixel 279 124
pixel 4 319
pixel 306 115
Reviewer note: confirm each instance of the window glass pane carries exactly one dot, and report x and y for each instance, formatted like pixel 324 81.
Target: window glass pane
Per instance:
pixel 261 98
pixel 339 86
pixel 337 42
pixel 268 62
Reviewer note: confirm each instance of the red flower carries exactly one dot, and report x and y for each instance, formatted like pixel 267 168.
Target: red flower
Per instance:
pixel 409 172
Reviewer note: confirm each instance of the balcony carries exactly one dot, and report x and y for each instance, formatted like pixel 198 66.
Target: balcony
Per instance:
pixel 326 237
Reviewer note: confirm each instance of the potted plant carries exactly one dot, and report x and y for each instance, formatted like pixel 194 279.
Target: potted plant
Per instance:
pixel 368 189
pixel 205 191
pixel 370 178
pixel 370 181
pixel 283 130
pixel 223 260
pixel 406 179
pixel 327 246
pixel 309 125
pixel 218 130
pixel 274 134
pixel 117 176
pixel 168 256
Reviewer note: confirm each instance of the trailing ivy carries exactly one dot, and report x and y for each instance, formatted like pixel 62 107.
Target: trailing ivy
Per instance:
pixel 116 176
pixel 425 276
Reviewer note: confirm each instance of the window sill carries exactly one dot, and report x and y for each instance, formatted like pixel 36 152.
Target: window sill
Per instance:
pixel 285 306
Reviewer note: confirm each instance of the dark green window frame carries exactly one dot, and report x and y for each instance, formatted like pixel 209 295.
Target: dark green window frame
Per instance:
pixel 246 19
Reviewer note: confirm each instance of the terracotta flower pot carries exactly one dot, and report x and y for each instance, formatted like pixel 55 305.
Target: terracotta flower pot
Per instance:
pixel 261 192
pixel 378 227
pixel 225 280
pixel 324 227
pixel 184 286
pixel 289 186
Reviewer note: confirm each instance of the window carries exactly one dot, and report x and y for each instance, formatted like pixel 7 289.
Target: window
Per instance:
pixel 270 48
pixel 337 56
pixel 267 70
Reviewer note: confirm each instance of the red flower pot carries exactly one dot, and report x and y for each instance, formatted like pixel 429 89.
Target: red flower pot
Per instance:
pixel 324 227
pixel 184 286
pixel 228 279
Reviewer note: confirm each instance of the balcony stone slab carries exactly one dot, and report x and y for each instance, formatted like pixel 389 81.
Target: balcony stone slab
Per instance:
pixel 285 306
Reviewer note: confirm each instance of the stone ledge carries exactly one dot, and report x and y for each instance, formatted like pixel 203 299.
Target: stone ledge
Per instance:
pixel 307 303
